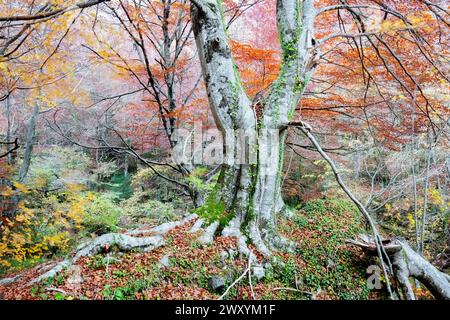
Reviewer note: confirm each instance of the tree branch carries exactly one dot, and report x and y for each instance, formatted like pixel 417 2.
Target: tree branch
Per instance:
pixel 306 129
pixel 53 13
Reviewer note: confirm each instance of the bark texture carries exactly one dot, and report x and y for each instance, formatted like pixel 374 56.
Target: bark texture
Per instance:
pixel 249 187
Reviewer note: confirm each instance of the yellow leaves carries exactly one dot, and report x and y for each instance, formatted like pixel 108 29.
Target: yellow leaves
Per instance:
pixel 40 182
pixel 411 220
pixel 3 247
pixel 389 25
pixel 75 187
pixel 103 53
pixel 4 67
pixel 435 197
pixel 57 240
pixel 21 187
pixel 21 218
pixel 401 97
pixel 414 21
pixel 76 210
pixel 24 209
pixel 25 217
pixel 90 41
pixel 90 196
pixel 32 232
pixel 17 239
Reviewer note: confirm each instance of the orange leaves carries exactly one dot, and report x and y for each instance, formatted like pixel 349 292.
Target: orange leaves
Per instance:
pixel 258 68
pixel 382 78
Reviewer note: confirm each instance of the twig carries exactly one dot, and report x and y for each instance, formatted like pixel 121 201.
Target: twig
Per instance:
pixel 237 280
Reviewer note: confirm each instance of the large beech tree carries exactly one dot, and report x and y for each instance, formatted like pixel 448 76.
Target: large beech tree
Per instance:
pixel 248 188
pixel 250 192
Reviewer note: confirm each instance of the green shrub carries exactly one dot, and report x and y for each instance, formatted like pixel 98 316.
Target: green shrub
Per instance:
pixel 301 221
pixel 157 188
pixel 119 184
pixel 142 209
pixel 102 214
pixel 327 263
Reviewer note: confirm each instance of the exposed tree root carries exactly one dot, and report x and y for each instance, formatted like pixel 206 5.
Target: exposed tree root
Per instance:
pixel 8 281
pixel 151 238
pixel 208 235
pixel 39 268
pixel 163 228
pixel 53 271
pixel 256 238
pixel 409 264
pixel 123 242
pixel 197 225
pixel 234 230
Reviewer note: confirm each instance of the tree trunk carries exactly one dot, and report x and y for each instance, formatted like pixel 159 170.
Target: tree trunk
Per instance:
pixel 29 144
pixel 8 122
pixel 248 188
pixel 414 180
pixel 425 199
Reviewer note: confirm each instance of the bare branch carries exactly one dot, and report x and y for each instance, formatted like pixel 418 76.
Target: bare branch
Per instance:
pixel 55 12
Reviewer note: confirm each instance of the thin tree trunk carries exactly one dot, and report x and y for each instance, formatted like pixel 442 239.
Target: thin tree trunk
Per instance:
pixel 413 173
pixel 306 129
pixel 425 199
pixel 29 143
pixel 8 123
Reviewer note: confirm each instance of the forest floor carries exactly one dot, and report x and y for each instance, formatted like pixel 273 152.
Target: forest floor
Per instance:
pixel 323 267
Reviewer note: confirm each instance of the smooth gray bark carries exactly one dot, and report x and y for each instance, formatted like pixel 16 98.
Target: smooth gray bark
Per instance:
pixel 29 143
pixel 425 199
pixel 251 191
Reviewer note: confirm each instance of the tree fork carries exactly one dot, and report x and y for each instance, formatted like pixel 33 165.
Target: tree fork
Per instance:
pixel 239 185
